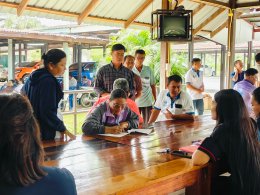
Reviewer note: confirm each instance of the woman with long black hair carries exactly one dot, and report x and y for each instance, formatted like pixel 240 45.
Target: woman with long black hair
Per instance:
pixel 44 93
pixel 233 144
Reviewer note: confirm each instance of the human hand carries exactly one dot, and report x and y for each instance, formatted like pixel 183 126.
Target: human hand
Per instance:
pixel 168 114
pixel 114 129
pixel 67 134
pixel 124 125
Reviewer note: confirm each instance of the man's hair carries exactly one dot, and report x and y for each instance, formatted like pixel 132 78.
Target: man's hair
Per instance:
pixel 139 51
pixel 251 72
pixel 128 56
pixel 175 78
pixel 117 47
pixel 70 74
pixel 257 57
pixel 237 62
pixel 121 83
pixel 117 93
pixel 195 60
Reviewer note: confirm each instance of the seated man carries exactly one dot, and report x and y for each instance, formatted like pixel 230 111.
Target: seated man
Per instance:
pixel 172 103
pixel 246 88
pixel 112 116
pixel 121 83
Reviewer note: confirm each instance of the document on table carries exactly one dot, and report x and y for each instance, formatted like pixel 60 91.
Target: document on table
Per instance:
pixel 144 131
pixel 114 135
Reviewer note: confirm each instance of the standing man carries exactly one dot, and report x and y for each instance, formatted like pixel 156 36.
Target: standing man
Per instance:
pixel 72 86
pixel 145 102
pixel 246 88
pixel 195 85
pixel 107 74
pixel 238 74
pixel 129 63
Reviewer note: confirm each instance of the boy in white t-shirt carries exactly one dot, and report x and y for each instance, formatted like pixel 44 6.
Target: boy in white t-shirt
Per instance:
pixel 172 103
pixel 195 85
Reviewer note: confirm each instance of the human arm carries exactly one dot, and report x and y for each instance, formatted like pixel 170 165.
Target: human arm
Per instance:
pixel 99 83
pixel 154 115
pixel 169 115
pixel 132 119
pixel 234 75
pixel 199 158
pixel 189 86
pixel 154 91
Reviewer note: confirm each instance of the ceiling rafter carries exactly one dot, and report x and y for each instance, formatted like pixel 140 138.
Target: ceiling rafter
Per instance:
pixel 197 9
pixel 220 28
pixel 213 3
pixel 137 12
pixel 87 10
pixel 208 20
pixel 22 7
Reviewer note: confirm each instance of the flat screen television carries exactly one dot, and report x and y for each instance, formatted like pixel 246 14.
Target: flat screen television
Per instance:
pixel 174 27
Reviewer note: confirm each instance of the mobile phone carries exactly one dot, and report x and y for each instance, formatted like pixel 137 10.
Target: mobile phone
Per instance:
pixel 181 154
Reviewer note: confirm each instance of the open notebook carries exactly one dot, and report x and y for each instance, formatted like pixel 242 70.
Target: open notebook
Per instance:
pixel 143 131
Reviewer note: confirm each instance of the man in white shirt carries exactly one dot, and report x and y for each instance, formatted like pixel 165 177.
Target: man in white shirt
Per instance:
pixel 195 85
pixel 173 103
pixel 72 86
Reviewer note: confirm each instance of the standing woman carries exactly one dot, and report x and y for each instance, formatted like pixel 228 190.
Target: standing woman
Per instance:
pixel 233 144
pixel 44 93
pixel 21 154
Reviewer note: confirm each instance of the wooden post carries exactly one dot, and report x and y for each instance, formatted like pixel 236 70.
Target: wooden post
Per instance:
pixel 216 62
pixel 20 53
pixel 231 45
pixel 222 67
pixel 66 73
pixel 25 52
pixel 191 52
pixel 10 59
pixel 249 54
pixel 165 49
pixel 79 62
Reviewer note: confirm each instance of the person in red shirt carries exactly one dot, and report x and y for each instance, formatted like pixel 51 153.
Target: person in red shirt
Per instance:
pixel 120 83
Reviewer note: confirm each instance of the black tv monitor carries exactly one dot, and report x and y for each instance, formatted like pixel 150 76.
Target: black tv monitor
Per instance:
pixel 174 27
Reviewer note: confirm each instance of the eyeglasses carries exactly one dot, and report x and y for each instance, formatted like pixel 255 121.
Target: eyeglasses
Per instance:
pixel 117 106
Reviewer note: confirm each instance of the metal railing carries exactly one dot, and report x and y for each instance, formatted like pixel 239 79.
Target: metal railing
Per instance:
pixel 84 97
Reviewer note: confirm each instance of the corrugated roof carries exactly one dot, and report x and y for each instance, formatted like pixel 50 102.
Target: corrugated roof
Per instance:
pixel 117 11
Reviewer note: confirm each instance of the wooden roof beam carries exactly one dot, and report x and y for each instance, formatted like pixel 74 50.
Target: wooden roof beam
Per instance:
pixel 137 12
pixel 87 10
pixel 220 28
pixel 22 7
pixel 70 14
pixel 197 9
pixel 213 3
pixel 207 21
pixel 250 4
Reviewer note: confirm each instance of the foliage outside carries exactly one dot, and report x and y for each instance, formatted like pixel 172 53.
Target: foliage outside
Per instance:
pixel 136 39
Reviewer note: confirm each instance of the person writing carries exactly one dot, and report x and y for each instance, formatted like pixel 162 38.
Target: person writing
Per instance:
pixel 112 116
pixel 21 154
pixel 44 93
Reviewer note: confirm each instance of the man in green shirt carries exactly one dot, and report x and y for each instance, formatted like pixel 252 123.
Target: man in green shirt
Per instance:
pixel 145 101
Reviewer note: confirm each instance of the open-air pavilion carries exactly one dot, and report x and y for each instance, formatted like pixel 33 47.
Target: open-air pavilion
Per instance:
pixel 131 164
pixel 211 19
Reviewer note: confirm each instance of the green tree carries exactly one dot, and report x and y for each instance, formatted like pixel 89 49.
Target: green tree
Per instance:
pixel 22 22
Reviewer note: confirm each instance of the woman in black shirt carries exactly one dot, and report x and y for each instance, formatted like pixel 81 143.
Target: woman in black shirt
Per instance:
pixel 233 143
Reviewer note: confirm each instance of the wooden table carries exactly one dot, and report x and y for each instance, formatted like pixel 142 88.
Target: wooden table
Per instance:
pixel 107 165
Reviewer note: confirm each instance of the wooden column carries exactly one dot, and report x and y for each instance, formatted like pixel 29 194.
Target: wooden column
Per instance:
pixel 222 67
pixel 25 52
pixel 231 46
pixel 79 62
pixel 249 54
pixel 66 73
pixel 216 62
pixel 191 52
pixel 20 53
pixel 10 60
pixel 165 57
